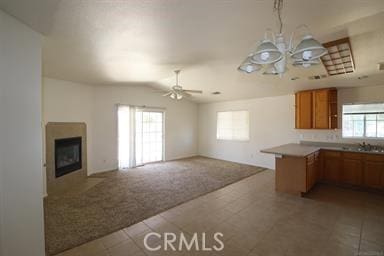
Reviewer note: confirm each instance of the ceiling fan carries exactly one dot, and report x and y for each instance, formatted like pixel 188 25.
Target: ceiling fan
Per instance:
pixel 177 92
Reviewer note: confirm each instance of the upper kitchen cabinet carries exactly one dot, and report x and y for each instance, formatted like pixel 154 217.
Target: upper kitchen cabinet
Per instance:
pixel 304 110
pixel 316 109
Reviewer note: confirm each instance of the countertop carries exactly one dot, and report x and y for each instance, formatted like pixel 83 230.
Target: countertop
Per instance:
pixel 344 147
pixel 302 150
pixel 292 149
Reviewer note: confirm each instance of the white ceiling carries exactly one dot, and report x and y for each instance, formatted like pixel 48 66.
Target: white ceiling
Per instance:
pixel 142 41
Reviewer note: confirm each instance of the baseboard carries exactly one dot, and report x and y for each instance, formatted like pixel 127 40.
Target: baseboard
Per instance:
pixel 180 157
pixel 238 162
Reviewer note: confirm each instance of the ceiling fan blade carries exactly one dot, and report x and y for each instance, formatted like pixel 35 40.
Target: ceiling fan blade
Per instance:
pixel 194 91
pixel 167 94
pixel 186 94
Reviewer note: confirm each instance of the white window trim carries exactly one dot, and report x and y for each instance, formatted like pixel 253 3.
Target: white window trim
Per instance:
pixel 234 140
pixel 364 122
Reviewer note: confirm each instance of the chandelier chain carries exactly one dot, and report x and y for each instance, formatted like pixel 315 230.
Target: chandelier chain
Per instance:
pixel 277 7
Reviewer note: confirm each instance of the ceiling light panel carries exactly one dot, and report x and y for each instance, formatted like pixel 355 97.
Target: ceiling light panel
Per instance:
pixel 339 59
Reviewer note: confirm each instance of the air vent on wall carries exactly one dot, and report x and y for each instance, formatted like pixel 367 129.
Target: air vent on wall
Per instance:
pixel 339 59
pixel 317 77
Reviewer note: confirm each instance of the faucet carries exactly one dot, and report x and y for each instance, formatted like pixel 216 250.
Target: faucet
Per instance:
pixel 365 147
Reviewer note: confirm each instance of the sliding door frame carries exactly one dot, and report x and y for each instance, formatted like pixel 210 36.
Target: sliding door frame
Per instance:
pixel 144 109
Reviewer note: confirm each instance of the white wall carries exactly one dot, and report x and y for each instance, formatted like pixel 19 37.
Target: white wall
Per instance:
pixel 180 123
pixel 96 105
pixel 21 211
pixel 272 122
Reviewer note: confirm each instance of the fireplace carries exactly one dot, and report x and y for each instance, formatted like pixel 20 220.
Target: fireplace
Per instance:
pixel 67 156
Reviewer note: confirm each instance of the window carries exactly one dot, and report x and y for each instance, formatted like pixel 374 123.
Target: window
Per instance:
pixel 233 125
pixel 363 120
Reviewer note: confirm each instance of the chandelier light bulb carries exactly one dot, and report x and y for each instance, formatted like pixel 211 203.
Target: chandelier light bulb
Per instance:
pixel 264 55
pixel 307 55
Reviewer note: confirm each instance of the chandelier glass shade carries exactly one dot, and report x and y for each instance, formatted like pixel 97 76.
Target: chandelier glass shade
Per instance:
pixel 308 49
pixel 248 66
pixel 306 63
pixel 266 53
pixel 271 54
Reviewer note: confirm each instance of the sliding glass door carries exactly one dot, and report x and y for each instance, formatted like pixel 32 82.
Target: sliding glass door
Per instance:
pixel 149 136
pixel 141 136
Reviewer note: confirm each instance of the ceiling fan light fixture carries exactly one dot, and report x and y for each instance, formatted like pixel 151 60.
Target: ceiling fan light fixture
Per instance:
pixel 266 53
pixel 177 92
pixel 308 49
pixel 176 96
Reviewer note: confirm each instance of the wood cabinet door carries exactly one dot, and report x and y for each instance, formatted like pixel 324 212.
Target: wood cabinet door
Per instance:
pixel 332 166
pixel 317 167
pixel 321 109
pixel 352 171
pixel 373 174
pixel 311 176
pixel 311 172
pixel 303 110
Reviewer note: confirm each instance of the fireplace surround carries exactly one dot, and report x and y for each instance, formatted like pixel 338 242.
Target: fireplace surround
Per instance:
pixel 66 155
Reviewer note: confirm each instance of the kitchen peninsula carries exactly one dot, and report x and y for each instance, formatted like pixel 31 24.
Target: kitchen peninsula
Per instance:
pixel 297 167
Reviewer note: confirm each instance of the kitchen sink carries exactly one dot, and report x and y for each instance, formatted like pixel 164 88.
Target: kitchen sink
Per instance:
pixel 365 148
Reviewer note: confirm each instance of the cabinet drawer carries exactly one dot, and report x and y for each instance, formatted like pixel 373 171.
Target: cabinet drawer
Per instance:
pixel 330 153
pixel 356 156
pixel 374 157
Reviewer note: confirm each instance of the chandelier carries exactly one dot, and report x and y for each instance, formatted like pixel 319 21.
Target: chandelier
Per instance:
pixel 272 52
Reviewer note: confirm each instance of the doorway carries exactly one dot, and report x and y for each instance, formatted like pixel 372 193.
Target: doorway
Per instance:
pixel 140 136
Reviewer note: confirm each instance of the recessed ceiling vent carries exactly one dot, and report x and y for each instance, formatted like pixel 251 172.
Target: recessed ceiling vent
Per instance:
pixel 317 77
pixel 339 59
pixel 381 66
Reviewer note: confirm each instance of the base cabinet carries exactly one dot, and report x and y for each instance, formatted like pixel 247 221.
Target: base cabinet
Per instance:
pixel 373 174
pixel 357 169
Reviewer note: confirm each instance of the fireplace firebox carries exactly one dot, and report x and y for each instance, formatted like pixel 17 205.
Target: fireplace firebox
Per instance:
pixel 67 155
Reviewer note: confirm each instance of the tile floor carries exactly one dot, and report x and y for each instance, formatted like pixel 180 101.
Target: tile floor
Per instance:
pixel 257 221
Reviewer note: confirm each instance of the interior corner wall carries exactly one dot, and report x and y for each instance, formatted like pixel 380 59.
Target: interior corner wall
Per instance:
pixel 96 105
pixel 272 122
pixel 65 101
pixel 21 211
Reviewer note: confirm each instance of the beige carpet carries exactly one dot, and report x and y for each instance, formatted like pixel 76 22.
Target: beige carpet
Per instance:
pixel 126 197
